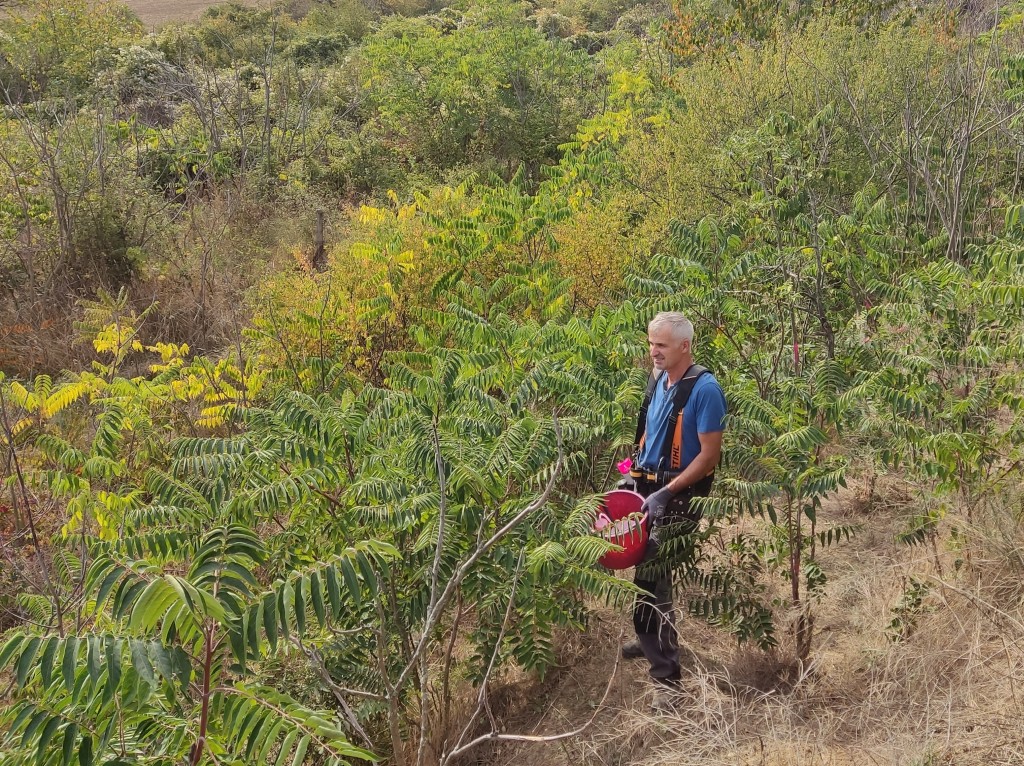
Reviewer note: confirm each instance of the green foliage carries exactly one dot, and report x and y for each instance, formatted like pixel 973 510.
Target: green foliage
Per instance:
pixel 76 682
pixel 391 509
pixel 231 32
pixel 387 488
pixel 907 610
pixel 489 87
pixel 54 48
pixel 948 337
pixel 350 18
pixel 701 28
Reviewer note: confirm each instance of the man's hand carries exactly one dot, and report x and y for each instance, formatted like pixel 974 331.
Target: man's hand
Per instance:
pixel 654 505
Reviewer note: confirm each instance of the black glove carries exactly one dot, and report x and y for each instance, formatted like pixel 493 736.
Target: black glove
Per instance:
pixel 654 505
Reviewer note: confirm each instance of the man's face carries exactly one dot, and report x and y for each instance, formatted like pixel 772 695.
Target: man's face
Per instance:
pixel 666 350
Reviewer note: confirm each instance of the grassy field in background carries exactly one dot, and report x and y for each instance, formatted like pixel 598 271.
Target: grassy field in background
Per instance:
pixel 156 12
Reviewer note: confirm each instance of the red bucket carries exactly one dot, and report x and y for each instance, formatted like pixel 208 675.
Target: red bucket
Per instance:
pixel 618 505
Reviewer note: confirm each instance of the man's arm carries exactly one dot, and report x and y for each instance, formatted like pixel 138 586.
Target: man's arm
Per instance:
pixel 702 465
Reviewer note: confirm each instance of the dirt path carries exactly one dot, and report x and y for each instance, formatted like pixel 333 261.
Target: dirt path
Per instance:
pixel 156 12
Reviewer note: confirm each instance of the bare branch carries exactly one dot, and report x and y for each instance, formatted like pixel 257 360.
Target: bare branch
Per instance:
pixel 481 701
pixel 494 736
pixel 339 692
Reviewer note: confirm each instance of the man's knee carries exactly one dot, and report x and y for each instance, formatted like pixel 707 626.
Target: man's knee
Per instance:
pixel 647 611
pixel 646 619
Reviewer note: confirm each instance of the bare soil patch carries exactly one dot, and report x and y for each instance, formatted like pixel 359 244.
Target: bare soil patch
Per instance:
pixel 157 12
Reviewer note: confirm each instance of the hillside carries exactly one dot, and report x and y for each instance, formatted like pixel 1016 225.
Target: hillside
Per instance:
pixel 324 327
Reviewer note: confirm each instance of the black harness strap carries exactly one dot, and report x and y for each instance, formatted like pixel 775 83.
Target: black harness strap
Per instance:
pixel 641 423
pixel 680 396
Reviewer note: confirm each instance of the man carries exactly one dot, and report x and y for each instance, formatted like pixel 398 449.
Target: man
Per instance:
pixel 680 443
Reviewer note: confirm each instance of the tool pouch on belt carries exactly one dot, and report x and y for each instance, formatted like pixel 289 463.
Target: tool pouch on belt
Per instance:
pixel 679 510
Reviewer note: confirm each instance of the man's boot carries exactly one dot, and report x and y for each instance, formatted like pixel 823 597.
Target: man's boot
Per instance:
pixel 666 698
pixel 631 650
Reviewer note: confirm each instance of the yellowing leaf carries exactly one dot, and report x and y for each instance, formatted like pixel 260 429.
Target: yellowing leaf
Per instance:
pixel 371 215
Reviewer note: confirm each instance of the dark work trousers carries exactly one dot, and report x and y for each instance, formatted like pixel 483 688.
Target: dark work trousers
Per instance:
pixel 654 613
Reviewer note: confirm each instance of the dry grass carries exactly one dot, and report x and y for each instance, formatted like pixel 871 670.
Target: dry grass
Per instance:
pixel 950 692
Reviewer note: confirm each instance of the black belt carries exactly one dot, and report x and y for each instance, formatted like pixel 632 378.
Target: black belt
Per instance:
pixel 653 477
pixel 661 479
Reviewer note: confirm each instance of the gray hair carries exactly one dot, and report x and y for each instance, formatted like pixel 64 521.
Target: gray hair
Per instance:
pixel 676 322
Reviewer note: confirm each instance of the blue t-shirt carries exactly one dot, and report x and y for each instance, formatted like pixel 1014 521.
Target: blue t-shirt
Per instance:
pixel 704 413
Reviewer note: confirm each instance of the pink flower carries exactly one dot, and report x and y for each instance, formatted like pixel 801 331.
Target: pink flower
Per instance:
pixel 625 465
